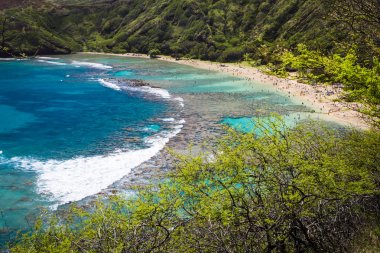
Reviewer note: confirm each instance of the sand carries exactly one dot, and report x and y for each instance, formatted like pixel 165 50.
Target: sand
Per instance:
pixel 201 123
pixel 321 98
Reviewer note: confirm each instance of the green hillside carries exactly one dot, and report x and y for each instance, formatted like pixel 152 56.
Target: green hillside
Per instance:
pixel 222 30
pixel 342 36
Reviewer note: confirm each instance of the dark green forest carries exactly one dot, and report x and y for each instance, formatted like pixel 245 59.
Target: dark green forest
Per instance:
pixel 222 30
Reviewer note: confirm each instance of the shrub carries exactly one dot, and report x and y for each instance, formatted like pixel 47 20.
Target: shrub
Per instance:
pixel 273 190
pixel 154 53
pixel 231 55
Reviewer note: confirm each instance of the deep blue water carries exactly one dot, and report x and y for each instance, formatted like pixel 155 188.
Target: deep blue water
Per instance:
pixel 53 113
pixel 67 132
pixel 46 114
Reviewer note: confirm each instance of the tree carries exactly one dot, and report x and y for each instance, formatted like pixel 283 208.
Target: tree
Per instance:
pixel 359 17
pixel 307 189
pixel 4 21
pixel 154 53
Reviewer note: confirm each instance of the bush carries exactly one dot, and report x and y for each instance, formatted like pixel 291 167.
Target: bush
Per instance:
pixel 361 83
pixel 154 53
pixel 275 189
pixel 231 55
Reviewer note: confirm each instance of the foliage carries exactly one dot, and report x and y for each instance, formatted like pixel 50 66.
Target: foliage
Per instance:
pixel 359 18
pixel 361 83
pixel 222 30
pixel 273 190
pixel 154 53
pixel 231 55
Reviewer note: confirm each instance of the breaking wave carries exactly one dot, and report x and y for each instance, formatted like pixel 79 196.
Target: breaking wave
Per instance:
pixel 154 91
pixel 91 65
pixel 74 179
pixel 53 62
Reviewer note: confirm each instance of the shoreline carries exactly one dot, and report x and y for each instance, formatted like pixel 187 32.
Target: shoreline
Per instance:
pixel 198 127
pixel 320 98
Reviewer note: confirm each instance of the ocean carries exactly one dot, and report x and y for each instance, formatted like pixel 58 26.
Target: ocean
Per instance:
pixel 71 126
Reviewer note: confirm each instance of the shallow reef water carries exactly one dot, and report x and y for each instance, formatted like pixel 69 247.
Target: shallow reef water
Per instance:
pixel 67 131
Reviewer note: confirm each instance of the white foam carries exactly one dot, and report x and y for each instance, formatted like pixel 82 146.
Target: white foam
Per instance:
pixel 149 129
pixel 77 178
pixel 109 84
pixel 52 62
pixel 91 65
pixel 47 58
pixel 168 119
pixel 3 160
pixel 8 59
pixel 154 91
pixel 157 91
pixel 180 100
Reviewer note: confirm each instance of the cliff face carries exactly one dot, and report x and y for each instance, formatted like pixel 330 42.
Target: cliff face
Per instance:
pixel 208 29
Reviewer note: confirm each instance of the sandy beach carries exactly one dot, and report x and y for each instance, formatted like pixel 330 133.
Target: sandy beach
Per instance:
pixel 321 98
pixel 318 97
pixel 202 121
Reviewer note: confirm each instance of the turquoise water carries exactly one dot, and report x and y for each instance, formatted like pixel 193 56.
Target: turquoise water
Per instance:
pixel 54 117
pixel 254 124
pixel 67 131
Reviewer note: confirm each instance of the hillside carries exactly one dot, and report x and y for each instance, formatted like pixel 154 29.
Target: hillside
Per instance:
pixel 222 30
pixel 343 36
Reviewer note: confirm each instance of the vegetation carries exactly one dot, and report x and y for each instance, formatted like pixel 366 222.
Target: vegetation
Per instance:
pixel 222 30
pixel 275 190
pixel 344 34
pixel 154 53
pixel 361 83
pixel 307 189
